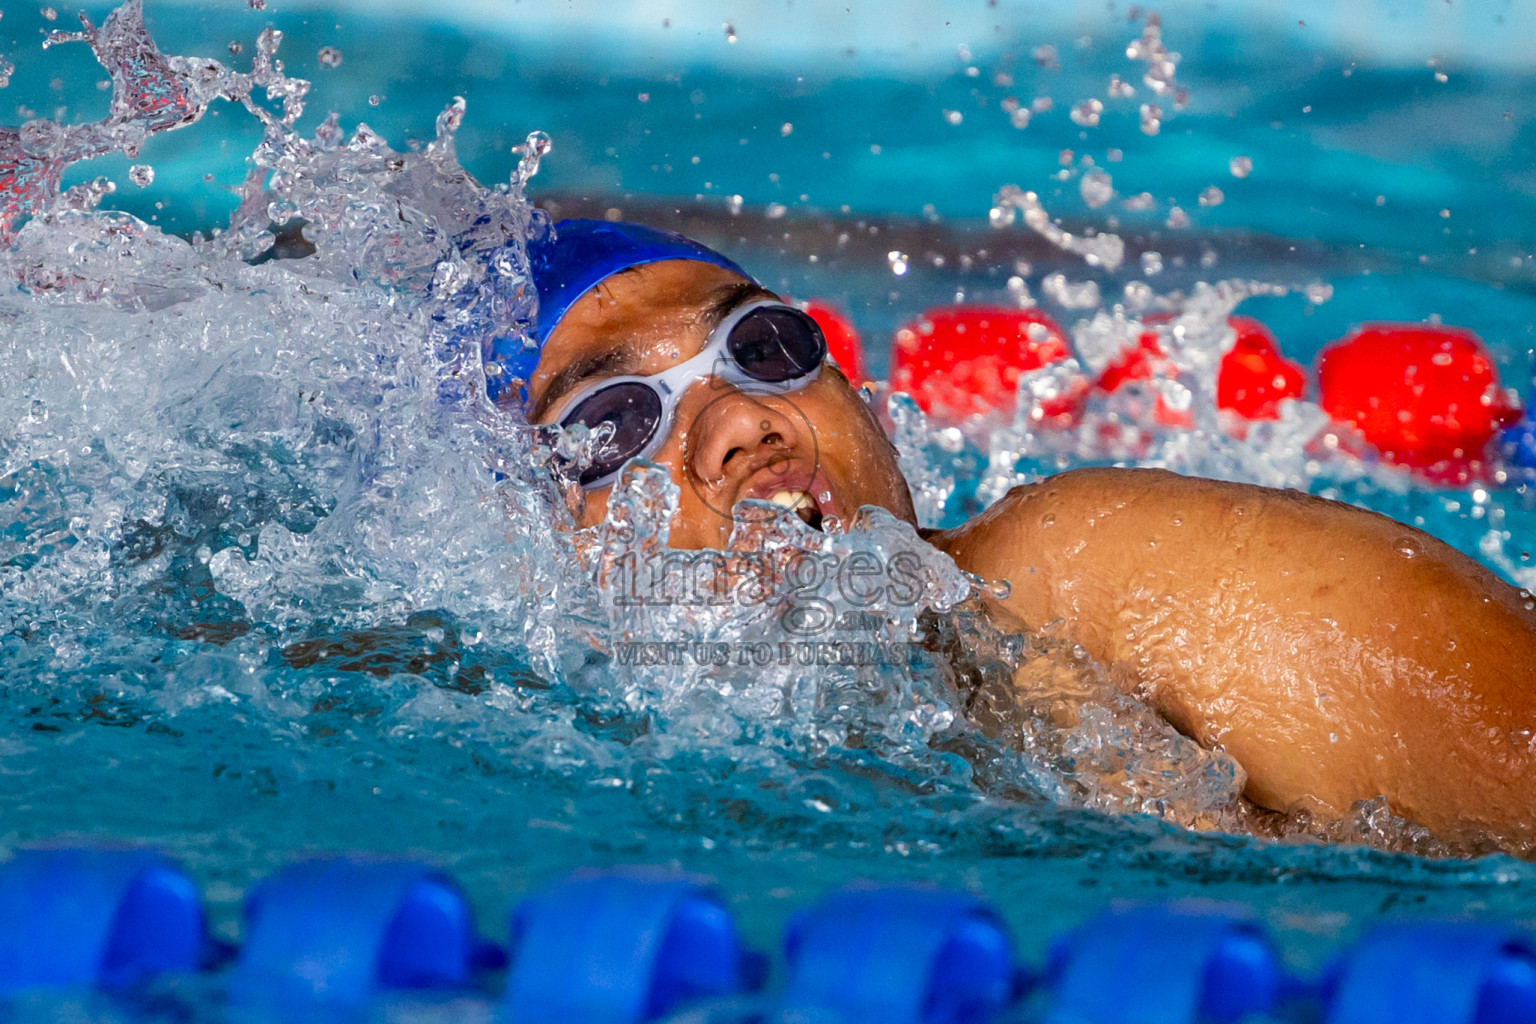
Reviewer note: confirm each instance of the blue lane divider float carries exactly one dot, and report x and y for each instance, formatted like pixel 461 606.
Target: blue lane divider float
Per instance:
pixel 885 955
pixel 620 948
pixel 630 947
pixel 82 918
pixel 1435 973
pixel 1175 964
pixel 338 931
pixel 1519 441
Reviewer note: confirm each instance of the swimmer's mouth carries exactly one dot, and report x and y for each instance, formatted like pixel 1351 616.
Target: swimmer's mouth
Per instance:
pixel 805 491
pixel 802 504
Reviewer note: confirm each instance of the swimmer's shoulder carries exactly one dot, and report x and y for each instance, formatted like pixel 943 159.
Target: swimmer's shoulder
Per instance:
pixel 1094 526
pixel 992 543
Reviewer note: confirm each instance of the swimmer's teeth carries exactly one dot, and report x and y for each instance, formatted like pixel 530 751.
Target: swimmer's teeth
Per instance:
pixel 801 504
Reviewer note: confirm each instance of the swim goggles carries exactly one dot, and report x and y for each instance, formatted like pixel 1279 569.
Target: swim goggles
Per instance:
pixel 761 347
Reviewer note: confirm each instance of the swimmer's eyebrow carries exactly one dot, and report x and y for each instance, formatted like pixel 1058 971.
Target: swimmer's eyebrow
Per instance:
pixel 620 361
pixel 612 363
pixel 728 297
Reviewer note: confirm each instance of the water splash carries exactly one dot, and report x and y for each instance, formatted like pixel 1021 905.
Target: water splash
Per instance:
pixel 774 644
pixel 1162 64
pixel 1097 250
pixel 150 93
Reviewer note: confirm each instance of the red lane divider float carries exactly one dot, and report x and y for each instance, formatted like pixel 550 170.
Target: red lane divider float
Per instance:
pixel 1254 376
pixel 1251 381
pixel 842 340
pixel 966 360
pixel 1427 397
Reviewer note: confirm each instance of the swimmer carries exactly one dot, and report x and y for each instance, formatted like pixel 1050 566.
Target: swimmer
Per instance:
pixel 1338 655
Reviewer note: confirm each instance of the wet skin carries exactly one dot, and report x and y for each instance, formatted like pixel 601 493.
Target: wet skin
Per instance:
pixel 1337 654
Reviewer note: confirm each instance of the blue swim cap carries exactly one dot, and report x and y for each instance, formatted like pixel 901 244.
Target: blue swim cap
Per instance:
pixel 571 258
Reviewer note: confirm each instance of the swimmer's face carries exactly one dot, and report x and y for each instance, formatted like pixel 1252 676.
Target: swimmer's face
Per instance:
pixel 724 445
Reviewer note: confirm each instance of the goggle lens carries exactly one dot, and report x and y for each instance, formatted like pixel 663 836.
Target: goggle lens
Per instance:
pixel 776 344
pixel 625 416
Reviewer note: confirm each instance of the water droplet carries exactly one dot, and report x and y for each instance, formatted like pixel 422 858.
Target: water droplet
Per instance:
pixel 1086 114
pixel 534 149
pixel 1318 292
pixel 1072 295
pixel 1020 292
pixel 730 32
pixel 1120 89
pixel 733 204
pixel 330 57
pixel 256 5
pixel 1097 188
pixel 898 262
pixel 1408 547
pixel 375 100
pixel 1151 118
pixel 1212 196
pixel 234 49
pixel 776 211
pixel 49 14
pixel 142 175
pixel 953 116
pixel 1240 166
pixel 1177 218
pixel 6 70
pixel 786 128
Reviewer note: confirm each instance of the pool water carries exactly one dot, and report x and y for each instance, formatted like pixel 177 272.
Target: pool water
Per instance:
pixel 276 578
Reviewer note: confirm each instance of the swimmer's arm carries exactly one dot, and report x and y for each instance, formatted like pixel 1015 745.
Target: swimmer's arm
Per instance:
pixel 1335 653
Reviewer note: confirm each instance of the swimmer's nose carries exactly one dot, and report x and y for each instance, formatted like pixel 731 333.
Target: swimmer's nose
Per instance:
pixel 735 432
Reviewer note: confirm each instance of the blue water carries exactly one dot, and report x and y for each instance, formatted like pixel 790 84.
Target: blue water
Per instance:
pixel 240 624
